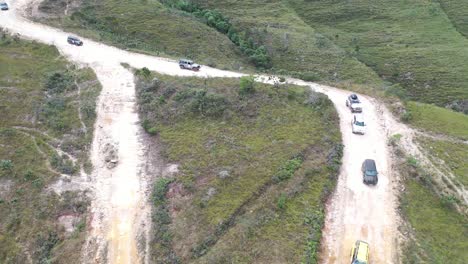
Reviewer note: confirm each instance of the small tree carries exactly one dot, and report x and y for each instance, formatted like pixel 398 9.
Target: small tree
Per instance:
pixel 247 85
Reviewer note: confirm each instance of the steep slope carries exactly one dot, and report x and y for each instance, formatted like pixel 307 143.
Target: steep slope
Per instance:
pixel 410 43
pixel 254 168
pixel 46 126
pixel 145 26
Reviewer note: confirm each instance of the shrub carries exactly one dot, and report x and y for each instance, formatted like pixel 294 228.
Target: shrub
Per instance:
pixel 247 85
pixel 412 161
pixel 288 169
pixel 6 165
pixel 281 201
pixel 208 104
pixel 152 130
pixel 59 82
pixel 309 77
pixel 143 72
pixel 407 116
pixel 159 191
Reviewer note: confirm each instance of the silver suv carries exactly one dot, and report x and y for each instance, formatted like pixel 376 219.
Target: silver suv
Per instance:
pixel 189 65
pixel 354 104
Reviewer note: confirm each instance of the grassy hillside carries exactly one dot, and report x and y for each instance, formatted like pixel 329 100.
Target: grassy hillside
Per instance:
pixel 438 120
pixel 294 47
pixel 439 230
pixel 255 164
pixel 149 27
pixel 435 232
pixel 40 133
pixel 455 10
pixel 412 43
pixel 410 48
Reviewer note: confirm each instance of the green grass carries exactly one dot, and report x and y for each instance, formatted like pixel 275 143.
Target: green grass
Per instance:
pixel 148 26
pixel 207 127
pixel 411 48
pixel 455 11
pixel 32 126
pixel 440 231
pixel 438 120
pixel 412 43
pixel 295 47
pixel 454 156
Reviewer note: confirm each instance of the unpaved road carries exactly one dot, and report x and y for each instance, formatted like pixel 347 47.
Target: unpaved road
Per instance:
pixel 120 207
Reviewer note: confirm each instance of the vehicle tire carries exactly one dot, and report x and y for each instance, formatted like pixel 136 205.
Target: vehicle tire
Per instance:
pixel 182 67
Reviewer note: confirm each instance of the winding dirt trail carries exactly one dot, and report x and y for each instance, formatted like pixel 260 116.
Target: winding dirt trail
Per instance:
pixel 120 206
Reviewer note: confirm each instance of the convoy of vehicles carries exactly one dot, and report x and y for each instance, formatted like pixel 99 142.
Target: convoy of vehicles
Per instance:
pixel 189 65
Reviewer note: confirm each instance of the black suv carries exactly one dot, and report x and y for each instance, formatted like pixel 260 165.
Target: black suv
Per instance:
pixel 369 172
pixel 74 41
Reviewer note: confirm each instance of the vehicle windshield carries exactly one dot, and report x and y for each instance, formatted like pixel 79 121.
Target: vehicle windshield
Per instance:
pixel 371 173
pixel 357 123
pixel 359 262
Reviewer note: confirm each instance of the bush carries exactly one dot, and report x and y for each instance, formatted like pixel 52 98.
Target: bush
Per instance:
pixel 247 85
pixel 412 161
pixel 288 169
pixel 6 165
pixel 143 72
pixel 407 116
pixel 309 77
pixel 281 201
pixel 160 189
pixel 59 82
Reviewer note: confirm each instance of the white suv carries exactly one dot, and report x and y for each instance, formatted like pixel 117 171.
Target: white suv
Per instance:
pixel 358 125
pixel 189 65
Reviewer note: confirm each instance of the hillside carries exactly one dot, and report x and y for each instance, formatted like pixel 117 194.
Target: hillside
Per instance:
pixel 411 49
pixel 253 169
pixel 47 108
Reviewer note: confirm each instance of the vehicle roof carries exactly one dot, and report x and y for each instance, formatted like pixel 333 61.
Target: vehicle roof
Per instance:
pixel 370 164
pixel 359 117
pixel 363 250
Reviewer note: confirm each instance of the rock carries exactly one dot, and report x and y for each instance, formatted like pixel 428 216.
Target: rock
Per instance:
pixel 224 174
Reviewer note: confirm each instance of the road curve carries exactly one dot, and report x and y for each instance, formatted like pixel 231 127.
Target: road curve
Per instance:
pixel 355 211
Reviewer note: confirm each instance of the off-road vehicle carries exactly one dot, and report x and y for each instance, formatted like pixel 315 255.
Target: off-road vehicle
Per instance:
pixel 4 6
pixel 354 104
pixel 358 125
pixel 360 253
pixel 369 172
pixel 189 65
pixel 74 41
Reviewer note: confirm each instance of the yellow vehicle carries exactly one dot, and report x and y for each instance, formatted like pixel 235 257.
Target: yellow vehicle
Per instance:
pixel 360 253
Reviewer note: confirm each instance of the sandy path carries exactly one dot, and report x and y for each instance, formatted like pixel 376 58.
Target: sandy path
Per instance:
pixel 356 211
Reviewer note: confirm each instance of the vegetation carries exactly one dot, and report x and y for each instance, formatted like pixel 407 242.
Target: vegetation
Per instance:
pixel 438 120
pixel 150 27
pixel 256 52
pixel 410 43
pixel 40 130
pixel 253 169
pixel 435 231
pixel 439 230
pixel 454 156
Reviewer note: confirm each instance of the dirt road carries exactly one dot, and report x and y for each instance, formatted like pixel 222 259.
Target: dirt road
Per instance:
pixel 120 206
